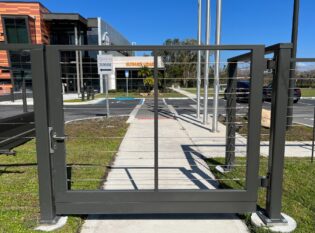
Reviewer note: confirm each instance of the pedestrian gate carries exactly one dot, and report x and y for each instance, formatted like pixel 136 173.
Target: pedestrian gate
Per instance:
pixel 55 197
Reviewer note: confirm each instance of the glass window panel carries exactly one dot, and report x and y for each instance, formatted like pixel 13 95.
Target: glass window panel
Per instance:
pixel 16 30
pixel 11 34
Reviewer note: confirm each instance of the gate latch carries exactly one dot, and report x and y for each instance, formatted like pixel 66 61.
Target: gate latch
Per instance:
pixel 264 182
pixel 53 138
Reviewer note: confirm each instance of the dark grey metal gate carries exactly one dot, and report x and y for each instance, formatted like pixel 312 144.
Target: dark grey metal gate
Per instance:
pixel 63 201
pixel 56 199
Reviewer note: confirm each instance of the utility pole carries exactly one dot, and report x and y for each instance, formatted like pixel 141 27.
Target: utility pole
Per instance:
pixel 77 59
pixel 199 57
pixel 294 41
pixel 107 96
pixel 206 74
pixel 217 67
pixel 24 94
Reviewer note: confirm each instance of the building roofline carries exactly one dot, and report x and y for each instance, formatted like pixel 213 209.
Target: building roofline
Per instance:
pixel 92 22
pixel 26 2
pixel 65 16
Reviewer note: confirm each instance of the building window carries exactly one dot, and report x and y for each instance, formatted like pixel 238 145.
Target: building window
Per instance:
pixel 16 30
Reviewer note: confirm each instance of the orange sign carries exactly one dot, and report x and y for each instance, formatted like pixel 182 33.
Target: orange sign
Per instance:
pixel 139 64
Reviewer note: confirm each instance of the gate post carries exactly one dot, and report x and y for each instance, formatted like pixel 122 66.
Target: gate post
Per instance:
pixel 46 192
pixel 230 116
pixel 156 122
pixel 280 90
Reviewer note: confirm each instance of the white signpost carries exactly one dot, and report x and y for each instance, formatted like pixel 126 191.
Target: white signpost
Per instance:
pixel 105 64
pixel 127 81
pixel 105 67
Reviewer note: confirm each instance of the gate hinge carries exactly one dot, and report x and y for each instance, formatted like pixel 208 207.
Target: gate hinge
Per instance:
pixel 264 182
pixel 271 64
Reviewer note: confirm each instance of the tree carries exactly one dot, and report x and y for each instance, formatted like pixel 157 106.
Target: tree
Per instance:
pixel 149 83
pixel 144 72
pixel 180 65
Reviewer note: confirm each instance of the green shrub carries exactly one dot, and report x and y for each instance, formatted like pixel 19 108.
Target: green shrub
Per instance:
pixel 149 83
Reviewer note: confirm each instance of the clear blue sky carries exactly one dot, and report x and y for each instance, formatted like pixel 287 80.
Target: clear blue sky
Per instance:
pixel 244 21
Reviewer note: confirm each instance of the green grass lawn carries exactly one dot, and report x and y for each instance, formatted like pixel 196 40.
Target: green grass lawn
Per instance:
pixel 193 90
pixel 19 210
pixel 308 92
pixel 298 194
pixel 119 94
pixel 295 133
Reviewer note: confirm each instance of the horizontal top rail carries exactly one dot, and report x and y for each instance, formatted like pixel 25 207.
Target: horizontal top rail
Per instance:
pixel 152 47
pixel 268 50
pixel 303 60
pixel 4 46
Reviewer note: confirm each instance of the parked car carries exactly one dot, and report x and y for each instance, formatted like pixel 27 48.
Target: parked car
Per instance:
pixel 242 91
pixel 268 93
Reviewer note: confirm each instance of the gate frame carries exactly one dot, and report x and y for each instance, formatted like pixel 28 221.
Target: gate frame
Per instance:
pixel 62 201
pixel 54 201
pixel 273 181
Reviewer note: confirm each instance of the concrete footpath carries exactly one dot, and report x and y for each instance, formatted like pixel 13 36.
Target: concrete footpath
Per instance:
pixel 299 149
pixel 181 166
pixel 185 93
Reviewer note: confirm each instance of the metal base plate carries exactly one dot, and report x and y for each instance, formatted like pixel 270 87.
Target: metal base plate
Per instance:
pixel 271 222
pixel 285 224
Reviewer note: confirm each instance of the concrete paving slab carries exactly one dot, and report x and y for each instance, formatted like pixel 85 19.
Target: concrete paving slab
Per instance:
pixel 210 144
pixel 181 166
pixel 292 149
pixel 209 224
pixel 175 172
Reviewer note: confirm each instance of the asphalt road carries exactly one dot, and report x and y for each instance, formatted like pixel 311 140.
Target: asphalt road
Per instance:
pixel 17 96
pixel 117 108
pixel 9 111
pixel 189 107
pixel 303 111
pixel 73 112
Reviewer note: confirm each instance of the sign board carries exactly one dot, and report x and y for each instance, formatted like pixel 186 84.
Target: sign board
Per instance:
pixel 127 73
pixel 105 64
pixel 139 64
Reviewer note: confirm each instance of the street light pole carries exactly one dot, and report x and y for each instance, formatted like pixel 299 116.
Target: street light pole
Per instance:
pixel 77 59
pixel 206 74
pixel 217 67
pixel 24 95
pixel 199 57
pixel 294 41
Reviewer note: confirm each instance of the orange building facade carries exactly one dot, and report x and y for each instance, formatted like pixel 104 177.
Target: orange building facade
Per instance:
pixel 32 23
pixel 32 13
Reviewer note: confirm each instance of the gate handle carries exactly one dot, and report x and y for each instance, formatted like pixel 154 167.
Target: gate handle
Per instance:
pixel 59 139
